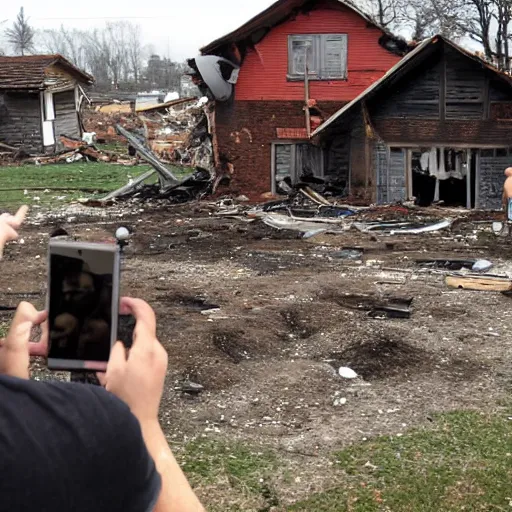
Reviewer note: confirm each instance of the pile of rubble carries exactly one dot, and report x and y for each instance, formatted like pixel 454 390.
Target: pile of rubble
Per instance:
pixel 179 133
pixel 103 124
pixel 76 150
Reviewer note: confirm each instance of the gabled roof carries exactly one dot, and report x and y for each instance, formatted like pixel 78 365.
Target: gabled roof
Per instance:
pixel 28 72
pixel 408 62
pixel 277 13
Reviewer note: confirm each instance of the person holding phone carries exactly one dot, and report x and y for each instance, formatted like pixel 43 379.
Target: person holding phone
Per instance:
pixel 67 446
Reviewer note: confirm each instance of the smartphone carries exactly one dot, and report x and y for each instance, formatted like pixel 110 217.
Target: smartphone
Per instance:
pixel 83 304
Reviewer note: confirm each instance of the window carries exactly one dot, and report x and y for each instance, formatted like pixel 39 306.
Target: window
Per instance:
pixel 292 161
pixel 327 56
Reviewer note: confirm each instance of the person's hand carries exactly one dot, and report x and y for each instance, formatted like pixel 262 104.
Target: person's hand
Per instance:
pixel 137 377
pixel 16 348
pixel 8 226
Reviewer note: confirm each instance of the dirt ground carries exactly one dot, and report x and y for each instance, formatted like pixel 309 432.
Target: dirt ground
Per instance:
pixel 288 317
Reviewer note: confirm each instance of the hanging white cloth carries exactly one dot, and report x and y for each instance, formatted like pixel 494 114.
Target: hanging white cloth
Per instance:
pixel 436 191
pixel 441 172
pixel 432 162
pixel 424 161
pixel 458 173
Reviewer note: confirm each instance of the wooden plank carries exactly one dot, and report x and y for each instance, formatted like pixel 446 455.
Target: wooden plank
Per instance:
pixel 468 181
pixel 487 103
pixel 306 94
pixel 442 89
pixel 168 104
pixel 479 283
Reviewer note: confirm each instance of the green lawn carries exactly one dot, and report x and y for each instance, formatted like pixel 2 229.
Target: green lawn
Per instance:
pixel 463 461
pixel 93 176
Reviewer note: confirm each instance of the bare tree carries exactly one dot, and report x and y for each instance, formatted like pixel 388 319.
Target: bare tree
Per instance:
pixel 115 55
pixel 487 22
pixel 135 51
pixel 116 35
pixel 21 35
pixel 426 18
pixel 69 43
pixel 99 57
pixel 384 12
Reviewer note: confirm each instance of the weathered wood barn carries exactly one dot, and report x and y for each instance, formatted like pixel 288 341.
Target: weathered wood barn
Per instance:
pixel 39 100
pixel 437 126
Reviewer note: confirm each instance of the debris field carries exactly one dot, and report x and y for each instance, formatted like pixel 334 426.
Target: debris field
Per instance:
pixel 258 321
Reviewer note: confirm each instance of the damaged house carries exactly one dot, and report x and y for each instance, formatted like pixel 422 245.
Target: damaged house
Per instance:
pixel 436 127
pixel 265 110
pixel 40 98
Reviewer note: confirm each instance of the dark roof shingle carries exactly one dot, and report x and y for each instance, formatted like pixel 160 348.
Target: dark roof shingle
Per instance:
pixel 28 72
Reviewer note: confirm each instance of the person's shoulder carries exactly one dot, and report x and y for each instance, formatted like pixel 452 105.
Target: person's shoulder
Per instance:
pixel 87 406
pixel 95 403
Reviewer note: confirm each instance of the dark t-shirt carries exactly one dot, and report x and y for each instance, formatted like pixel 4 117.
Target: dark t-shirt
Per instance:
pixel 73 448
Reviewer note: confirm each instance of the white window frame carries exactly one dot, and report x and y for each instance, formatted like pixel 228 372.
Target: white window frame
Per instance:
pixel 318 51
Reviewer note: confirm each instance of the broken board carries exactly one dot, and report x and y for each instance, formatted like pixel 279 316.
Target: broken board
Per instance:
pixel 479 283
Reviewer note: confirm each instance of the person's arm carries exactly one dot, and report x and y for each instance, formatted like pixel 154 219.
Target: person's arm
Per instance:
pixel 176 494
pixel 138 379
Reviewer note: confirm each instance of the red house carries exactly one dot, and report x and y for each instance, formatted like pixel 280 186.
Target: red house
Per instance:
pixel 263 129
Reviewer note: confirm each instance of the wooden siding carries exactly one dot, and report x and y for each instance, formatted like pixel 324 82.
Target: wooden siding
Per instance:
pixel 337 165
pixel 20 120
pixel 491 179
pixel 390 167
pixel 263 75
pixel 465 86
pixel 381 169
pixel 57 79
pixel 448 87
pixel 417 96
pixel 66 117
pixel 457 133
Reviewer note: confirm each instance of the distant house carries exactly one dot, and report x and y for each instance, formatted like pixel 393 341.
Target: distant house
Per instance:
pixel 262 129
pixel 39 100
pixel 437 126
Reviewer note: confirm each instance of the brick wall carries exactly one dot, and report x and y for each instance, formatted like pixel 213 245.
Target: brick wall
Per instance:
pixel 245 131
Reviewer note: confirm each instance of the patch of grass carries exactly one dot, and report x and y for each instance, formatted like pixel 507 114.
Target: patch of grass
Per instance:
pixel 463 463
pixel 4 329
pixel 92 175
pixel 246 469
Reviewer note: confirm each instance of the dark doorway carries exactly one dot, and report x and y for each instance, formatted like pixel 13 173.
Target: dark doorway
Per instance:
pixel 453 174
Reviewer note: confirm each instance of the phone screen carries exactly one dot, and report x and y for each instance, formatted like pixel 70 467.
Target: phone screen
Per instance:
pixel 83 298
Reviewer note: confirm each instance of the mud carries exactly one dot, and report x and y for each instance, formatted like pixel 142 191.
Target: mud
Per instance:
pixel 288 313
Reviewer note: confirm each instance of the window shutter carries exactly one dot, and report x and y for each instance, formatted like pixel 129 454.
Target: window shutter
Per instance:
pixel 297 52
pixel 334 56
pixel 283 161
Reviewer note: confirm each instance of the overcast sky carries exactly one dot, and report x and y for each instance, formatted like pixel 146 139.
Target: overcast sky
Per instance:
pixel 178 27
